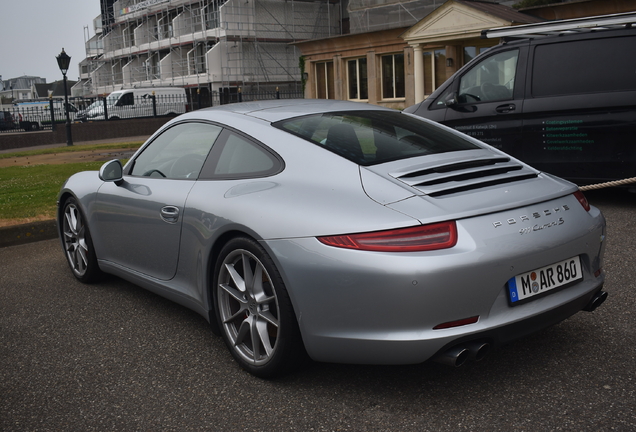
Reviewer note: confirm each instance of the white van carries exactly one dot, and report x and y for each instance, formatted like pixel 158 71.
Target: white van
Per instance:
pixel 133 103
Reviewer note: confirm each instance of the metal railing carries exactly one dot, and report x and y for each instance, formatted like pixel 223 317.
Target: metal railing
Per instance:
pixel 38 115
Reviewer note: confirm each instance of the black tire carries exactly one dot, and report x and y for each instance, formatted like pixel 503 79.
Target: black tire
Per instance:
pixel 253 309
pixel 78 244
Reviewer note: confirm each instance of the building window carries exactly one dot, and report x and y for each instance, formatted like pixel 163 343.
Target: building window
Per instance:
pixel 324 80
pixel 357 79
pixel 211 15
pixel 393 76
pixel 434 69
pixel 470 52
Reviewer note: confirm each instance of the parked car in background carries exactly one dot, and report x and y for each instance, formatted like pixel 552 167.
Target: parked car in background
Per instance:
pixel 33 115
pixel 6 121
pixel 82 115
pixel 132 103
pixel 357 233
pixel 561 101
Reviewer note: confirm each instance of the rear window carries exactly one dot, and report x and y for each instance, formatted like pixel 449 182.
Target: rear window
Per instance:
pixel 373 137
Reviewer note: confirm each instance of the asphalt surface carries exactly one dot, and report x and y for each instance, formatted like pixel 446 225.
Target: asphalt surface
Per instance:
pixel 112 356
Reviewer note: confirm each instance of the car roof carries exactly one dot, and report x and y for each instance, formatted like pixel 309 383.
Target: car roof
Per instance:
pixel 281 109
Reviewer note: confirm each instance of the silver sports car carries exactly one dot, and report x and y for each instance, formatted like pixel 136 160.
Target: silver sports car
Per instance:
pixel 350 232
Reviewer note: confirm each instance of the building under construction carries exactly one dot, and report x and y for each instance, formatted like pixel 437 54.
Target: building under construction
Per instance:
pixel 215 46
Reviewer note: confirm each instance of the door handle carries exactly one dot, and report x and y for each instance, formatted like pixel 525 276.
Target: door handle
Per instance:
pixel 504 109
pixel 170 214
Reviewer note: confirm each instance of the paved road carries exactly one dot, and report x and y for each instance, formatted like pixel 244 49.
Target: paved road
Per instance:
pixel 115 357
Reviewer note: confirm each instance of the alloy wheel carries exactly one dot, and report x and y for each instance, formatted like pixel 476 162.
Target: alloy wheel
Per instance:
pixel 248 307
pixel 75 243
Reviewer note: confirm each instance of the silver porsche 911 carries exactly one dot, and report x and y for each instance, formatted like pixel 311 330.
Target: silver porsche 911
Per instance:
pixel 345 231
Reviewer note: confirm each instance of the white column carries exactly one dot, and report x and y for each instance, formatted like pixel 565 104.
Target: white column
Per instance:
pixel 418 73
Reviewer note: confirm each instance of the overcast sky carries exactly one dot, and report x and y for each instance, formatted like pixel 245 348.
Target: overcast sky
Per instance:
pixel 33 33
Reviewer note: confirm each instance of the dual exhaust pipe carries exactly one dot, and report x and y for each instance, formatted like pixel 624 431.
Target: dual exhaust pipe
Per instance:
pixel 460 354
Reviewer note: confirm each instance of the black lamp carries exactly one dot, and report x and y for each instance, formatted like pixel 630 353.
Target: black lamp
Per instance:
pixel 63 61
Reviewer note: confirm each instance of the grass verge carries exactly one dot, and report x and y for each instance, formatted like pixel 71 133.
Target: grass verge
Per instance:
pixel 59 150
pixel 29 193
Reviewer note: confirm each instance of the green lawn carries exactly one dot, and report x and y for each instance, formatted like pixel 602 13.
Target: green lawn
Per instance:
pixel 30 192
pixel 57 150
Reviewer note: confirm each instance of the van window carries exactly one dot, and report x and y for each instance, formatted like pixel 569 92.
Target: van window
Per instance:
pixel 126 99
pixel 491 79
pixel 113 98
pixel 584 66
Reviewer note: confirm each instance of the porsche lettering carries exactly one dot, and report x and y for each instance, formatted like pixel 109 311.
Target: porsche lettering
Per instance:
pixel 533 215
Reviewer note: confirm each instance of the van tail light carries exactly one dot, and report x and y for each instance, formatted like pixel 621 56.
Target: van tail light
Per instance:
pixel 582 200
pixel 414 239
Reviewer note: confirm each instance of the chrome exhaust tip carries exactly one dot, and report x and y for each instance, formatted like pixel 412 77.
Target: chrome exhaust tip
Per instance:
pixel 454 357
pixel 478 350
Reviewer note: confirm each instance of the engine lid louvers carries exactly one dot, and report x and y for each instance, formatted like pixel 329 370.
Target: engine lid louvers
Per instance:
pixel 449 177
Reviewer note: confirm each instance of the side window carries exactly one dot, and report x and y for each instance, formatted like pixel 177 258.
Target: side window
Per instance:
pixel 492 79
pixel 237 157
pixel 178 153
pixel 584 66
pixel 126 99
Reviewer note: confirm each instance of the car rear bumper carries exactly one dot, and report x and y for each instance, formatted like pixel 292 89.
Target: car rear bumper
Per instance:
pixel 381 308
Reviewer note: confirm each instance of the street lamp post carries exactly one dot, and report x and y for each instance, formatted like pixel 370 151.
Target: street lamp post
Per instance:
pixel 63 61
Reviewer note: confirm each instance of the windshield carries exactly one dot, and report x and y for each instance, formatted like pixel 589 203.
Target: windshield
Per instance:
pixel 112 98
pixel 373 137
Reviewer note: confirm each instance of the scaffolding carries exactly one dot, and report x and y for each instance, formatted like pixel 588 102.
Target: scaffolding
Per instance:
pixel 217 44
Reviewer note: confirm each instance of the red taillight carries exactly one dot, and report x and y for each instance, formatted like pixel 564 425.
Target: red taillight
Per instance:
pixel 581 198
pixel 415 239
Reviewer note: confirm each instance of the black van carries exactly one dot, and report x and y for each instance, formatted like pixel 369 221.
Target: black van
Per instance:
pixel 564 103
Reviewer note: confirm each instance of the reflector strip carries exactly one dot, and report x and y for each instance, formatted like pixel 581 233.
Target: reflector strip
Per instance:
pixel 458 323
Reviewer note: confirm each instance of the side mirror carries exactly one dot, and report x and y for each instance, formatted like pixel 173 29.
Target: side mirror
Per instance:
pixel 112 171
pixel 451 100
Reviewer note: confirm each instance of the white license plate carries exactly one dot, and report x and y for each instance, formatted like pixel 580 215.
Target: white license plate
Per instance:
pixel 539 281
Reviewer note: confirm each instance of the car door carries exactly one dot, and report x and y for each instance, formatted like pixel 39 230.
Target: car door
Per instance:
pixel 139 220
pixel 486 101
